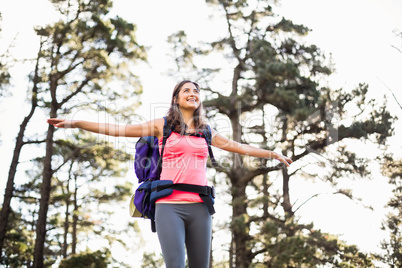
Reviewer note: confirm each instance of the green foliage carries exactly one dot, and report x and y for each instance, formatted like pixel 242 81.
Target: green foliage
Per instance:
pixel 184 52
pixel 90 164
pixel 296 245
pixel 84 52
pixel 392 168
pixel 84 177
pixel 97 259
pixel 101 157
pixel 18 249
pixel 151 261
pixel 4 67
pixel 4 76
pixel 82 63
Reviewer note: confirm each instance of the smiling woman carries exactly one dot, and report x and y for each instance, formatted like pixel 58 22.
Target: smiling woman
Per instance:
pixel 186 108
pixel 376 20
pixel 182 220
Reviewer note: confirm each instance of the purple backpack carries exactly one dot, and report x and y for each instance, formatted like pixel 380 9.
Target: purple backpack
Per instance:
pixel 147 166
pixel 146 159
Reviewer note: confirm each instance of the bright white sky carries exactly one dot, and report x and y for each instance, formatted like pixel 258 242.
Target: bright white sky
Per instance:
pixel 358 33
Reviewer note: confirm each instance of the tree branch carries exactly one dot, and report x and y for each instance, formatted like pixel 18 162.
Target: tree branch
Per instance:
pixel 34 142
pixel 79 89
pixel 254 173
pixel 392 93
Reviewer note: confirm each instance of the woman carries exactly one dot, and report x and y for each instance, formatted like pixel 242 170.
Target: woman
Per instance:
pixel 182 221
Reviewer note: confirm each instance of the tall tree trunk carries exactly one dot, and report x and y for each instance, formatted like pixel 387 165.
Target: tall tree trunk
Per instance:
pixel 240 226
pixel 66 227
pixel 231 251
pixel 46 186
pixel 75 219
pixel 239 210
pixel 19 143
pixel 287 206
pixel 67 212
pixel 44 201
pixel 265 186
pixel 9 191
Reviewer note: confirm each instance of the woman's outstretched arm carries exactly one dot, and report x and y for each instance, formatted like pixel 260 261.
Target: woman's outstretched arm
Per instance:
pixel 150 128
pixel 235 147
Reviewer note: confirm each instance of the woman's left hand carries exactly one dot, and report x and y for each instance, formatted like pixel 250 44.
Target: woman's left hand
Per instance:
pixel 284 159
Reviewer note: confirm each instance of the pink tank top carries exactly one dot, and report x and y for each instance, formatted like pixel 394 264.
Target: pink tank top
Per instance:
pixel 184 161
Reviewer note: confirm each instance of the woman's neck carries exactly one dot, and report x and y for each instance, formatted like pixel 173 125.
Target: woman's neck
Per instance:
pixel 188 118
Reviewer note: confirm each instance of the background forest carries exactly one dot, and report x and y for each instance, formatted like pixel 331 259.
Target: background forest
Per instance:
pixel 265 80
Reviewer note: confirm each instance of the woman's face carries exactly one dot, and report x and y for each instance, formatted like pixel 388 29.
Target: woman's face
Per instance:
pixel 189 97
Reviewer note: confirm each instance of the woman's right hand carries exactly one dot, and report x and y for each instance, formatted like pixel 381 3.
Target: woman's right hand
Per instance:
pixel 61 123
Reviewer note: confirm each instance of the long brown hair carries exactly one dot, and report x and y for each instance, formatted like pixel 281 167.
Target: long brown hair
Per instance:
pixel 174 116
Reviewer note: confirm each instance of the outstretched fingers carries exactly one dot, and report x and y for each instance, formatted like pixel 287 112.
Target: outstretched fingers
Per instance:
pixel 286 160
pixel 60 123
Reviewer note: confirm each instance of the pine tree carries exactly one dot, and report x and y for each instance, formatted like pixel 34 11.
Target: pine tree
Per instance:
pixel 392 256
pixel 80 58
pixel 276 78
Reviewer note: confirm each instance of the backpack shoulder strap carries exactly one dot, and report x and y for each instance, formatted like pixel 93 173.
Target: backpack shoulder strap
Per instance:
pixel 166 133
pixel 167 130
pixel 208 137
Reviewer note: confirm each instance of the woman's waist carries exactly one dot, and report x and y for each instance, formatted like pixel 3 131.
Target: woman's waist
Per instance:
pixel 197 178
pixel 180 197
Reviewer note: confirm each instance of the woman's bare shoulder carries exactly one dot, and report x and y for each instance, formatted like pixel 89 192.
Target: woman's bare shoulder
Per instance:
pixel 158 125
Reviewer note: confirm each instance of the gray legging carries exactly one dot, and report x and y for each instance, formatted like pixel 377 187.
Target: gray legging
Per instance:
pixel 184 224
